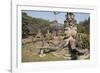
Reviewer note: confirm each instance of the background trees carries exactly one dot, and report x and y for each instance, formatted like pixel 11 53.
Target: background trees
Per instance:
pixel 31 25
pixel 84 31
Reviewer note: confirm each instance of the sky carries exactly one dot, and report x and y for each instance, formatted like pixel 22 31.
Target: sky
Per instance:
pixel 59 17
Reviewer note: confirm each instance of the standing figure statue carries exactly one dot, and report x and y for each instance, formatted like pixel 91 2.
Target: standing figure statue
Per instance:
pixel 70 34
pixel 70 31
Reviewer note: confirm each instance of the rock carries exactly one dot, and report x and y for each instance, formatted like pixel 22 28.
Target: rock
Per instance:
pixel 42 55
pixel 84 57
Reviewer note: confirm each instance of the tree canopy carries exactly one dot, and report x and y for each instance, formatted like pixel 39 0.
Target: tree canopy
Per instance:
pixel 28 21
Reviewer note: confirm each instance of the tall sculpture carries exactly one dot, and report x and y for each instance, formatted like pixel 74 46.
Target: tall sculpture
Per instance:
pixel 70 31
pixel 70 19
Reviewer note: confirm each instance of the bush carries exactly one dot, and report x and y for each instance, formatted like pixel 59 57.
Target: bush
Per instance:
pixel 85 40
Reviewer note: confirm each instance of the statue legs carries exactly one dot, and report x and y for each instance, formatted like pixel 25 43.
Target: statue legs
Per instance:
pixel 72 48
pixel 63 44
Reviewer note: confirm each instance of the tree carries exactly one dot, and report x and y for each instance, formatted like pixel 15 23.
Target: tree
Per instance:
pixel 31 23
pixel 84 27
pixel 84 30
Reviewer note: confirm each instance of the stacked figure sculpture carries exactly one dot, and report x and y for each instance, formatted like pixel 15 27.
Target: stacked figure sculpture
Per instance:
pixel 70 34
pixel 70 30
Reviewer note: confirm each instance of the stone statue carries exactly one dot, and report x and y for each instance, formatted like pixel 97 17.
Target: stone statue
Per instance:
pixel 70 31
pixel 70 34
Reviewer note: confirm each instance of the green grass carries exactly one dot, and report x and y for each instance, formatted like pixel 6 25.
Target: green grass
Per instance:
pixel 29 56
pixel 36 58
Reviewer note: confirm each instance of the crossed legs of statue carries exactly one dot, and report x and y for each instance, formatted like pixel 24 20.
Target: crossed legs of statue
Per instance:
pixel 62 44
pixel 71 43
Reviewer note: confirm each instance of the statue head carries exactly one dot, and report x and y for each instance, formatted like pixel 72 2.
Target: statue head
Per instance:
pixel 71 24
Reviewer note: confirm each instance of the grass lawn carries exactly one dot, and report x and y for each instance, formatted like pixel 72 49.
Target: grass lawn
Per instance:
pixel 28 57
pixel 31 56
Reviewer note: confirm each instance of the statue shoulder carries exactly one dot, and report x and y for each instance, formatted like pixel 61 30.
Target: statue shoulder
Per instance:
pixel 75 28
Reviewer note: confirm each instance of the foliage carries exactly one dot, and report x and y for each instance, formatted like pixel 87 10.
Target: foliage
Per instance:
pixel 84 27
pixel 85 40
pixel 84 30
pixel 32 21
